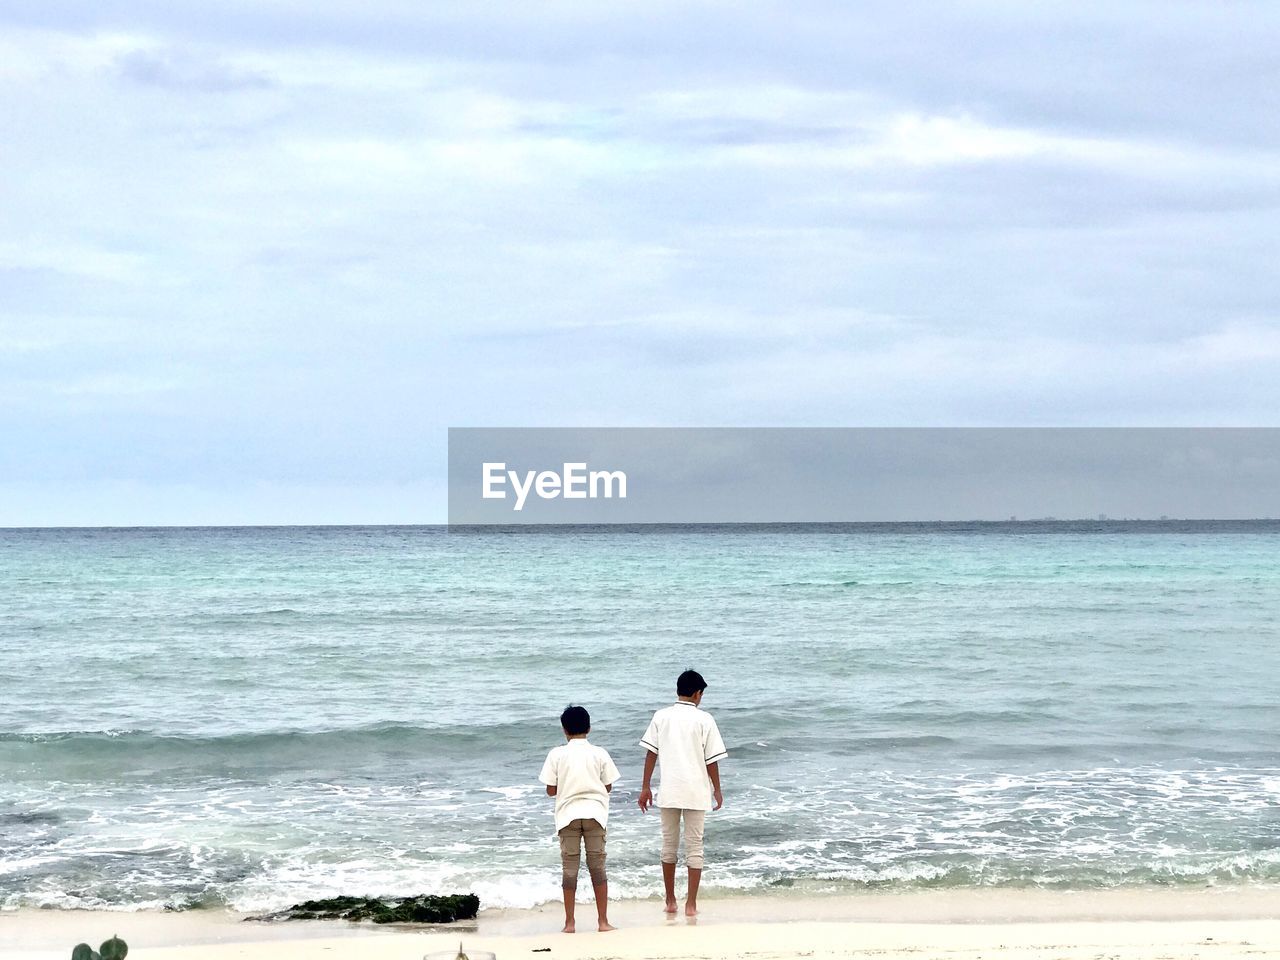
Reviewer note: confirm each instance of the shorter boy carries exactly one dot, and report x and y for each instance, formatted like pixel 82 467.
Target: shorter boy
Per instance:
pixel 580 776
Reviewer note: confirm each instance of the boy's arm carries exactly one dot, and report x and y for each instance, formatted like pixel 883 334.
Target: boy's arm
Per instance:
pixel 713 771
pixel 549 774
pixel 646 794
pixel 609 774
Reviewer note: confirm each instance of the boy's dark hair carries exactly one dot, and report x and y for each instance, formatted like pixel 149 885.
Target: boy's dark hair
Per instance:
pixel 575 720
pixel 689 683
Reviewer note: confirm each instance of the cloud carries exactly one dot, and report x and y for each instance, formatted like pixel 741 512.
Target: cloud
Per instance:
pixel 72 259
pixel 175 70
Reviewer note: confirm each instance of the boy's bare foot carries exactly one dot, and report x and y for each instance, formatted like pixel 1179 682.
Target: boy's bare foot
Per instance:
pixel 690 909
pixel 606 926
pixel 671 906
pixel 568 928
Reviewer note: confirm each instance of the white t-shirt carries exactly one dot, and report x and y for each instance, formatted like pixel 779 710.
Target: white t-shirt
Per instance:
pixel 685 739
pixel 579 771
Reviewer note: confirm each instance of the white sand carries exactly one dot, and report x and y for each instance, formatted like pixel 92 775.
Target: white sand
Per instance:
pixel 1214 924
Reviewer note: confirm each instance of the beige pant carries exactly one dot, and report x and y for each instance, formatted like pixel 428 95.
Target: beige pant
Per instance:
pixel 575 835
pixel 694 820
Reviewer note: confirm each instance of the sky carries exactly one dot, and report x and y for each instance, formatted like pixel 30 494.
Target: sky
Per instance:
pixel 256 258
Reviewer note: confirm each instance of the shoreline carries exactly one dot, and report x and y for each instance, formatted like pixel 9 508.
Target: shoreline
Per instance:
pixel 935 915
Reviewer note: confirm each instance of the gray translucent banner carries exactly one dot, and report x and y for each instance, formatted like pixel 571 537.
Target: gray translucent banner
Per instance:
pixel 784 475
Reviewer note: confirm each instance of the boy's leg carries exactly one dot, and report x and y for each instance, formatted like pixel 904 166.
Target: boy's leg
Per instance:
pixel 570 859
pixel 593 836
pixel 694 822
pixel 670 846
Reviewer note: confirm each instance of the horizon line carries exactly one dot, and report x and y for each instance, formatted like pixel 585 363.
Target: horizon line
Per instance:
pixel 1008 521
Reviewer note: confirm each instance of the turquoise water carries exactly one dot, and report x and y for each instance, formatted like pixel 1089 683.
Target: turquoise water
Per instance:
pixel 251 717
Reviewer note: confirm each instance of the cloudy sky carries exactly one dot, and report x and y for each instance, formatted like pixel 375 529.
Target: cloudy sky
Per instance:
pixel 256 257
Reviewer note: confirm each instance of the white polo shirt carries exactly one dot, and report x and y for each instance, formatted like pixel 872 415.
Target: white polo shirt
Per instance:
pixel 685 739
pixel 579 771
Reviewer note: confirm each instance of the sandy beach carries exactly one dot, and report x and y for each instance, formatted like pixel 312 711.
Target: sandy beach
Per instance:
pixel 1035 925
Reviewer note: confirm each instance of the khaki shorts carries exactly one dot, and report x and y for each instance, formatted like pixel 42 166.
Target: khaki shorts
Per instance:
pixel 575 835
pixel 694 820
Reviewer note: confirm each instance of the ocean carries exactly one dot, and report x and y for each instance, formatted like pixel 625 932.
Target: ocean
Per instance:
pixel 249 717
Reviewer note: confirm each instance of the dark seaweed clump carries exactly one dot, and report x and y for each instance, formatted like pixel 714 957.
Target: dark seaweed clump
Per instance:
pixel 427 908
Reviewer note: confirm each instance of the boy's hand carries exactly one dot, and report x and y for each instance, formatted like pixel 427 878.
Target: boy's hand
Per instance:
pixel 713 772
pixel 646 798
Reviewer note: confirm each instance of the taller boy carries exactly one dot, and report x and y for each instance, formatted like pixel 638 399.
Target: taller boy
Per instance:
pixel 684 743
